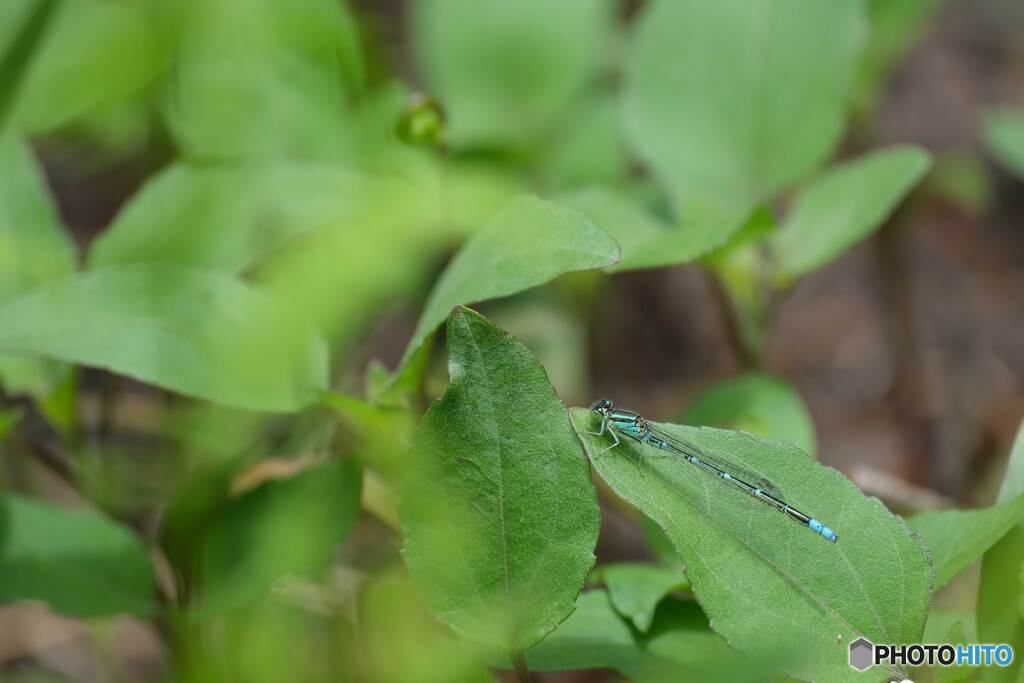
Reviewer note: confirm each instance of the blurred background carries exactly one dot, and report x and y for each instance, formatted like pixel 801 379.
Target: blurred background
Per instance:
pixel 222 133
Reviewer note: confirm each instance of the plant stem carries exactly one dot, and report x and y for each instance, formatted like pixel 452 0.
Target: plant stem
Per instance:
pixel 523 674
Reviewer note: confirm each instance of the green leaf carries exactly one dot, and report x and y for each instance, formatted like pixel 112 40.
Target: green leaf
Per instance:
pixel 199 333
pixel 1004 135
pixel 733 102
pixel 282 528
pixel 587 146
pixel 77 561
pixel 875 582
pixel 645 240
pixel 94 54
pixel 528 243
pixel 34 248
pixel 843 206
pixel 680 645
pixel 760 404
pixel 501 519
pixel 1000 590
pixel 956 635
pixel 231 216
pixel 636 589
pixel 18 51
pixel 505 70
pixel 267 79
pixel 957 538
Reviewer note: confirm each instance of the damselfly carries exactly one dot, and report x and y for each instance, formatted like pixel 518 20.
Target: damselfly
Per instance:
pixel 636 427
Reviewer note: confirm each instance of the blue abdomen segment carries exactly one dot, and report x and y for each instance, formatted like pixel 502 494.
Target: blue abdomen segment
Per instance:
pixel 825 532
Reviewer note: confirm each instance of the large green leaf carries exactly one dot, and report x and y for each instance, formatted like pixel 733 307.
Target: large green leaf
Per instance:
pixel 645 241
pixel 957 538
pixel 34 248
pixel 94 53
pixel 733 101
pixel 1004 135
pixel 196 332
pixel 77 561
pixel 759 404
pixel 753 570
pixel 636 588
pixel 500 520
pixel 1000 591
pixel 504 70
pixel 528 243
pixel 843 206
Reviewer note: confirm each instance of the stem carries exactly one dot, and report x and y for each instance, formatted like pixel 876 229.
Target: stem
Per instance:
pixel 522 671
pixel 747 357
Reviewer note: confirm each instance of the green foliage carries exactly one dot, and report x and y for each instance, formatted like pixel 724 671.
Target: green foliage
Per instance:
pixel 77 561
pixel 636 589
pixel 506 70
pixel 727 539
pixel 34 248
pixel 1000 590
pixel 843 206
pixel 177 328
pixel 728 129
pixel 957 538
pixel 282 528
pixel 294 205
pixel 645 241
pixel 679 644
pixel 759 404
pixel 500 519
pixel 1004 135
pixel 528 243
pixel 94 54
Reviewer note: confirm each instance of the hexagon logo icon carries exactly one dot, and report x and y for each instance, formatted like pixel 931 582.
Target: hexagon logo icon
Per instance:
pixel 861 654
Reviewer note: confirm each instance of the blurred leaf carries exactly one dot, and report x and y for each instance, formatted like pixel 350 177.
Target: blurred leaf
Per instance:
pixel 384 433
pixel 587 147
pixel 895 27
pixel 403 388
pixel 645 240
pixel 19 50
pixel 505 70
pixel 1004 135
pixel 283 528
pixel 76 561
pixel 843 206
pixel 501 519
pixel 34 248
pixel 94 53
pixel 267 79
pixel 199 333
pixel 422 123
pixel 733 102
pixel 528 243
pixel 636 589
pixel 9 418
pixel 231 216
pixel 957 538
pixel 406 644
pixel 1000 589
pixel 760 404
pixel 875 582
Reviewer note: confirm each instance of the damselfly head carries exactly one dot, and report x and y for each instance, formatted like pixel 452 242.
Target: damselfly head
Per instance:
pixel 602 407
